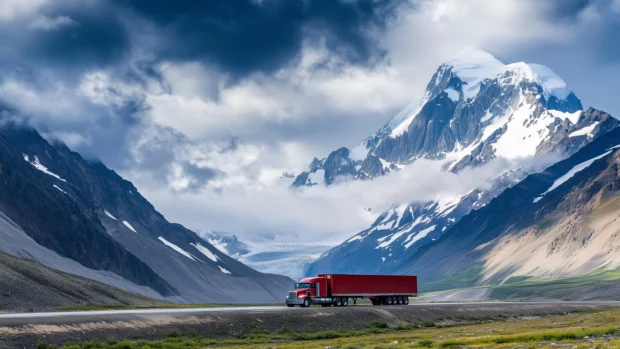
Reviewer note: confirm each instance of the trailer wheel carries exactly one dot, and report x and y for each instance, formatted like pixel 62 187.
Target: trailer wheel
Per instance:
pixel 345 302
pixel 338 302
pixel 391 300
pixel 306 303
pixel 405 300
pixel 399 300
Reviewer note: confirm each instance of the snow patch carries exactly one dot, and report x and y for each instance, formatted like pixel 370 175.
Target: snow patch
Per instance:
pixel 110 215
pixel 585 131
pixel 420 235
pixel 572 117
pixel 572 172
pixel 175 247
pixel 356 237
pixel 205 251
pixel 401 121
pixel 551 83
pixel 223 270
pixel 447 204
pixel 57 187
pixel 129 226
pixel 473 66
pixel 39 166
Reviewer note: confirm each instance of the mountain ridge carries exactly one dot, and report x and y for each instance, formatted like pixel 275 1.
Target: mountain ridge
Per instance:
pixel 56 198
pixel 465 119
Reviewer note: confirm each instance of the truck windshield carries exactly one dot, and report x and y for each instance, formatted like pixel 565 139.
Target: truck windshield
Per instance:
pixel 302 286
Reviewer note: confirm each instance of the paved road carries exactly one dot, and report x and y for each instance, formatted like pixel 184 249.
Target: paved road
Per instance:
pixel 103 314
pixel 26 329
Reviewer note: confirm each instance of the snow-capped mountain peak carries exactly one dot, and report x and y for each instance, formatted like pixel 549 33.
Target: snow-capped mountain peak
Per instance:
pixel 475 109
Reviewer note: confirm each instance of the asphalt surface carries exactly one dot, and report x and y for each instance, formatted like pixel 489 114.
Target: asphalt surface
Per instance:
pixel 98 315
pixel 24 330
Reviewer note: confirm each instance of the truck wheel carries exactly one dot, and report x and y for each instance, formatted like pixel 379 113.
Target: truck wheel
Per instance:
pixel 306 303
pixel 338 302
pixel 399 300
pixel 405 300
pixel 345 302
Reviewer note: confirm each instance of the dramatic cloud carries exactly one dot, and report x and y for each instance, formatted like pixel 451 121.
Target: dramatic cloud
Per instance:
pixel 204 104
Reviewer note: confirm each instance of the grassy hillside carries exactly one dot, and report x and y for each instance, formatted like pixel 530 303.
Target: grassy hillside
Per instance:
pixel 598 285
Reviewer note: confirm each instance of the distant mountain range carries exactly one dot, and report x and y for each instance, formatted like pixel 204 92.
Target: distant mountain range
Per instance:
pixel 475 109
pixel 82 218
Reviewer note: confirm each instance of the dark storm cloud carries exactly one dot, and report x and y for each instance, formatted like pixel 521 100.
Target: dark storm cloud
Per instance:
pixel 94 38
pixel 241 36
pixel 238 36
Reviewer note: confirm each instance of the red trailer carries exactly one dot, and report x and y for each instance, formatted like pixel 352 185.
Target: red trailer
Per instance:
pixel 337 289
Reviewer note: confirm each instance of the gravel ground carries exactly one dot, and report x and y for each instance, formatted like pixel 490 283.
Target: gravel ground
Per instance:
pixel 26 285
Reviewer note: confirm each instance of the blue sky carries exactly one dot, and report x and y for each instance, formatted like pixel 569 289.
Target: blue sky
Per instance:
pixel 208 102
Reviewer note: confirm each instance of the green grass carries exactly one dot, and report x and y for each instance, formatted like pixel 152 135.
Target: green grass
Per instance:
pixel 570 331
pixel 465 278
pixel 557 335
pixel 91 307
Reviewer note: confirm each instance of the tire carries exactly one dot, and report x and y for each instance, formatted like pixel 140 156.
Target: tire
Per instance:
pixel 390 300
pixel 399 300
pixel 290 305
pixel 345 302
pixel 405 300
pixel 338 302
pixel 306 303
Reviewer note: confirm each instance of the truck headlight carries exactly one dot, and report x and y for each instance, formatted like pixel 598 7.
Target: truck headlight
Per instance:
pixel 286 297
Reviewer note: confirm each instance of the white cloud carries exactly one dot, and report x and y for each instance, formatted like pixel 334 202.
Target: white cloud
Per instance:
pixel 54 100
pixel 50 23
pixel 10 9
pixel 205 106
pixel 337 211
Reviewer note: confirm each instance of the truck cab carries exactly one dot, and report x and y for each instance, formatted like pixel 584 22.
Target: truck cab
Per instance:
pixel 306 290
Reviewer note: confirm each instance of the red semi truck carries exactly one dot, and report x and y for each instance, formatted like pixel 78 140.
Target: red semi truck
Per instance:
pixel 337 289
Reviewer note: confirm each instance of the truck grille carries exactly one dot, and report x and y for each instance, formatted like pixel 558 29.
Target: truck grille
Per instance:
pixel 292 295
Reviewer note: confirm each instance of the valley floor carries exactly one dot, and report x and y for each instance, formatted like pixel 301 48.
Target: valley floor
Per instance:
pixel 415 325
pixel 593 329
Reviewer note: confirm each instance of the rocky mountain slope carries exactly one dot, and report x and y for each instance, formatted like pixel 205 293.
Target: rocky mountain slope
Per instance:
pixel 80 217
pixel 560 222
pixel 475 109
pixel 27 285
